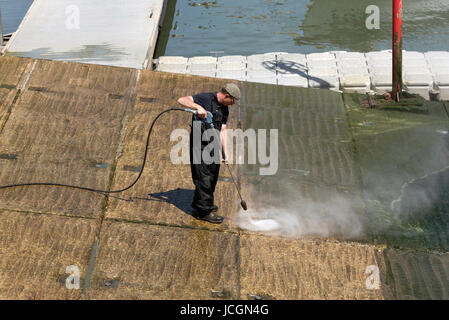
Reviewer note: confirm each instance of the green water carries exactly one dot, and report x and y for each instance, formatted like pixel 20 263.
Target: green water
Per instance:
pixel 234 27
pixel 227 27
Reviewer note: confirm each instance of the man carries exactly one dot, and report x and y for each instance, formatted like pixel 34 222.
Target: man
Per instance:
pixel 205 173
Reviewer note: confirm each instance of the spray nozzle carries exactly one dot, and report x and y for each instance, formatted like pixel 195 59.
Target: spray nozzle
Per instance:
pixel 208 118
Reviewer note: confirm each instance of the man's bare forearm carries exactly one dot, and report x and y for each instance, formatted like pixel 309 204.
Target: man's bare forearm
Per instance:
pixel 223 136
pixel 187 101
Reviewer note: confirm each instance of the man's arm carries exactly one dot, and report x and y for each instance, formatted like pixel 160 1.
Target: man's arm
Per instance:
pixel 188 102
pixel 223 136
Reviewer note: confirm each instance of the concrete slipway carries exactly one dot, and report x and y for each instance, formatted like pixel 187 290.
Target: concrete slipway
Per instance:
pixel 86 124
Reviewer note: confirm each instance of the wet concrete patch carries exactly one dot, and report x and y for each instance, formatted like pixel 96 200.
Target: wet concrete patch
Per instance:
pixel 403 157
pixel 259 297
pixel 8 156
pixel 324 102
pixel 116 96
pixel 7 86
pixel 166 198
pixel 313 136
pixel 148 100
pixel 111 283
pixel 223 294
pixel 100 165
pixel 132 169
pixel 300 209
pixel 224 179
pixel 38 89
pixel 315 189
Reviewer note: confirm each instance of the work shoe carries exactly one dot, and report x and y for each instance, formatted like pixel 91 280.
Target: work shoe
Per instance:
pixel 212 218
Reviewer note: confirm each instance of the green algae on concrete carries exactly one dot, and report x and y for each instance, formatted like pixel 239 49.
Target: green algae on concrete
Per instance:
pixel 412 275
pixel 394 155
pixel 403 158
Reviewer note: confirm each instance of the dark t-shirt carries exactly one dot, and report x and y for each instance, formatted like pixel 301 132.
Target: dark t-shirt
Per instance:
pixel 205 100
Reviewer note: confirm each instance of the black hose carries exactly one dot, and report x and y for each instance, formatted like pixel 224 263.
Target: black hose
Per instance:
pixel 97 190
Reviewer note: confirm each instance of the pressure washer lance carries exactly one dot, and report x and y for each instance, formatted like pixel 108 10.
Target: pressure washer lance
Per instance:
pixel 208 120
pixel 242 202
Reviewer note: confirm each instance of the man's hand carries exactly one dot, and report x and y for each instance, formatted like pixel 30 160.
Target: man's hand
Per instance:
pixel 202 113
pixel 225 160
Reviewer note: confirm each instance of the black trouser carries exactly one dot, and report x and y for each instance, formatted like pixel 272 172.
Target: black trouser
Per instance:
pixel 205 178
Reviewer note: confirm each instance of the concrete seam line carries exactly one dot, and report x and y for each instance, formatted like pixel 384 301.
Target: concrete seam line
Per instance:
pixel 353 144
pixel 446 108
pixel 25 79
pixel 381 275
pixel 131 94
pixel 90 268
pixel 239 270
pixel 47 214
pixel 9 111
pixel 131 97
pixel 23 82
pixel 160 224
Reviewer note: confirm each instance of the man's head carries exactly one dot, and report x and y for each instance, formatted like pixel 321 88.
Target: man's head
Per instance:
pixel 229 94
